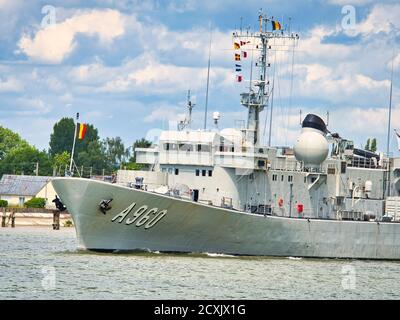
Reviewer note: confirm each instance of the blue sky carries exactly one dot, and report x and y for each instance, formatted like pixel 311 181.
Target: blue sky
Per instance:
pixel 126 65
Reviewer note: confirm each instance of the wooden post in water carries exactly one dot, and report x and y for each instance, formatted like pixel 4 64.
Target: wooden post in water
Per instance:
pixel 56 220
pixel 3 218
pixel 12 217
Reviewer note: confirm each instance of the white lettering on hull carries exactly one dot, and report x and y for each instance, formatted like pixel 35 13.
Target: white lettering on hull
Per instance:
pixel 142 216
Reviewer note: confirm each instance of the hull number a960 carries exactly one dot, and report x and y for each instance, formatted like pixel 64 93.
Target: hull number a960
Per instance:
pixel 143 216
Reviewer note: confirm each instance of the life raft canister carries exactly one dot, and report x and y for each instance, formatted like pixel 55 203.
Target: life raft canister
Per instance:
pixel 300 208
pixel 280 202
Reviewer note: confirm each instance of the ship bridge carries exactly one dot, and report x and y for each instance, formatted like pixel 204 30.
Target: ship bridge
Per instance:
pixel 227 148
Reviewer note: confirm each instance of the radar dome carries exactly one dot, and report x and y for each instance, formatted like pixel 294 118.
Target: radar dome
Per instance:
pixel 311 146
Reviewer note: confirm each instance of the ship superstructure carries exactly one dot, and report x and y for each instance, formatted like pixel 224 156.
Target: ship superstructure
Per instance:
pixel 323 176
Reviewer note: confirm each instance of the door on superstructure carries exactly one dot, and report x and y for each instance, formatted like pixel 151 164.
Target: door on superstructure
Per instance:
pixel 195 195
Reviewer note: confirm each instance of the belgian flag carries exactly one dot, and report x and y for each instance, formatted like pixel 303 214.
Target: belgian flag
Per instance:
pixel 276 25
pixel 81 130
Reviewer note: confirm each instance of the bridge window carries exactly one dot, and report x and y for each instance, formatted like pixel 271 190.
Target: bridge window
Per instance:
pixel 170 146
pixel 203 173
pixel 282 177
pixel 203 148
pixel 197 173
pixel 290 178
pixel 176 171
pixel 274 177
pixel 185 147
pixel 210 173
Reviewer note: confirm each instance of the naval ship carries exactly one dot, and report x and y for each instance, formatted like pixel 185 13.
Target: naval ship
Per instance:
pixel 223 191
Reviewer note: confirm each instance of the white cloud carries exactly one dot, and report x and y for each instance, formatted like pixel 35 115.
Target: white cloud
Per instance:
pixel 53 44
pixel 181 6
pixel 351 2
pixel 10 84
pixel 7 5
pixel 335 84
pixel 313 47
pixel 32 107
pixel 164 112
pixel 382 18
pixel 67 98
pixel 396 63
pixel 146 75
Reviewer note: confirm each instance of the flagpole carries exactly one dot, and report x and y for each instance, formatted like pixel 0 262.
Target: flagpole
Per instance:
pixel 73 145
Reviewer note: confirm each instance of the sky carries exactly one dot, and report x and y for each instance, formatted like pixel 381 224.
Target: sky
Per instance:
pixel 126 66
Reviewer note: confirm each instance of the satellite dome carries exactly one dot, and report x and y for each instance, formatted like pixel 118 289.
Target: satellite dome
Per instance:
pixel 313 121
pixel 311 146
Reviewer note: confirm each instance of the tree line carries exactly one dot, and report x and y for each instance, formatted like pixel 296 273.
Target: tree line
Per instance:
pixel 93 156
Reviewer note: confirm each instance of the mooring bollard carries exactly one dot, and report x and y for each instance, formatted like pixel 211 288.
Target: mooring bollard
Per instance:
pixel 56 220
pixel 12 216
pixel 3 218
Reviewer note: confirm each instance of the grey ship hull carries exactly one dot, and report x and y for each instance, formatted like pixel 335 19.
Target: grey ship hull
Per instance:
pixel 186 226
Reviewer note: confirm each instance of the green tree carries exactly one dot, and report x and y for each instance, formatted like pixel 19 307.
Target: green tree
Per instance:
pixel 61 162
pixel 62 137
pixel 115 151
pixel 9 140
pixel 141 143
pixel 368 145
pixel 89 152
pixel 24 160
pixel 373 145
pixel 93 157
pixel 35 203
pixel 62 159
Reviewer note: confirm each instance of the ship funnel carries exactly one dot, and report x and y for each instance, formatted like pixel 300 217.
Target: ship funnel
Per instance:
pixel 311 146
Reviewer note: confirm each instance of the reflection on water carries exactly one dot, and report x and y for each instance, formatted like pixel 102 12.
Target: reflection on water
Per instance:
pixel 39 263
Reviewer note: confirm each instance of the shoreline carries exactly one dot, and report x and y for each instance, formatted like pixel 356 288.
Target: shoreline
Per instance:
pixel 36 220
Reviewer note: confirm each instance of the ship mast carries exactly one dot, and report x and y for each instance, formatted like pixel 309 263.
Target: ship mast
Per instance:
pixel 256 100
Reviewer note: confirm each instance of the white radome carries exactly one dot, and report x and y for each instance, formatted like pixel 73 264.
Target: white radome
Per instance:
pixel 311 147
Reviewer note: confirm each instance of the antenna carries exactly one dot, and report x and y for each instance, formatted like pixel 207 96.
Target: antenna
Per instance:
pixel 272 105
pixel 216 117
pixel 387 185
pixel 190 107
pixel 390 109
pixel 187 122
pixel 300 117
pixel 208 80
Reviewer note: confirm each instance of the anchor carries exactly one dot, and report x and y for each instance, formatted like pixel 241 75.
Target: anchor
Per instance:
pixel 104 205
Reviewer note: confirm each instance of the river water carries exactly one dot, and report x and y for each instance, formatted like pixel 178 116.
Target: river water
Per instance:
pixel 40 263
